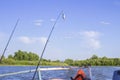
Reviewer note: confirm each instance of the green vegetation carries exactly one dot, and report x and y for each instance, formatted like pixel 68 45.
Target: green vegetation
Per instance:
pixel 22 55
pixel 29 58
pixel 95 61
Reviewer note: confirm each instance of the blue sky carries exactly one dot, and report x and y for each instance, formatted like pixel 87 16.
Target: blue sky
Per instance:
pixel 91 27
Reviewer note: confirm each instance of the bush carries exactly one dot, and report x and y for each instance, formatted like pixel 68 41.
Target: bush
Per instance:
pixel 9 61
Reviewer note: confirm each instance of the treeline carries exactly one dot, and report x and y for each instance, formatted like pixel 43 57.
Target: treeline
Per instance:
pixel 29 58
pixel 23 55
pixel 95 61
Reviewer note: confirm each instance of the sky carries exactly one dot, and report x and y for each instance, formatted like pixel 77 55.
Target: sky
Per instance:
pixel 90 27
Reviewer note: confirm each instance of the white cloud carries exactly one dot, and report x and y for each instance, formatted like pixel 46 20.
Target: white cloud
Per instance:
pixel 25 40
pixel 69 35
pixel 28 40
pixel 38 22
pixel 91 34
pixel 103 22
pixel 94 43
pixel 2 35
pixel 91 38
pixel 53 20
pixel 43 40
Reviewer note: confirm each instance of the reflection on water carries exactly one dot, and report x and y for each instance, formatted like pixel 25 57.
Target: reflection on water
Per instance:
pixel 98 73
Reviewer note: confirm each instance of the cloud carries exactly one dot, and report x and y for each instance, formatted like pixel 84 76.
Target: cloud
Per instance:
pixel 53 20
pixel 2 35
pixel 103 22
pixel 90 34
pixel 69 36
pixel 38 22
pixel 94 43
pixel 91 38
pixel 43 40
pixel 25 40
pixel 28 40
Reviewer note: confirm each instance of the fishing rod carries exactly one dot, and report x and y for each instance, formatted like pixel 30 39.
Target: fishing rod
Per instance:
pixel 61 13
pixel 9 40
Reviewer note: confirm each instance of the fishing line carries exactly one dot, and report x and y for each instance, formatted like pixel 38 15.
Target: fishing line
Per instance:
pixel 9 40
pixel 39 63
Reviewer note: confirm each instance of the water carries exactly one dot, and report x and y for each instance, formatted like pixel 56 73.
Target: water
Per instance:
pixel 98 73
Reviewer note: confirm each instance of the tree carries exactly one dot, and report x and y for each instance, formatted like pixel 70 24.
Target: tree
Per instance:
pixel 104 57
pixel 69 61
pixel 94 57
pixel 10 57
pixel 116 61
pixel 33 56
pixel 18 55
pixel 22 55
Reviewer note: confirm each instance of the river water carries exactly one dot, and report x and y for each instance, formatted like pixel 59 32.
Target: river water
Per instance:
pixel 98 73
